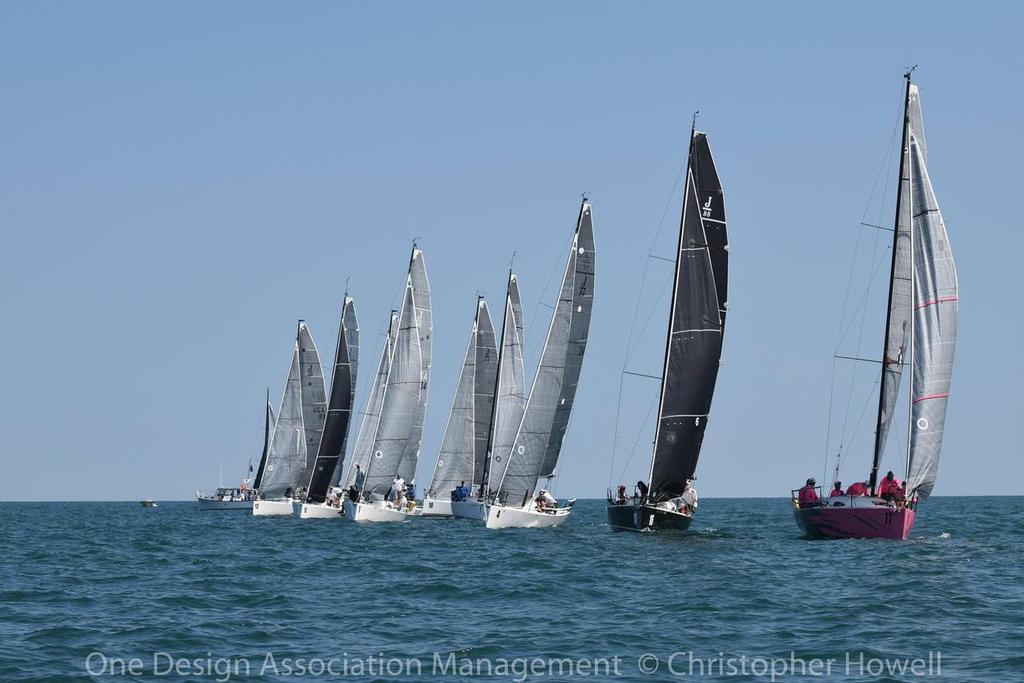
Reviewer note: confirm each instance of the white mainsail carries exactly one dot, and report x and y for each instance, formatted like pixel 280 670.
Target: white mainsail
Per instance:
pixel 286 457
pixel 935 317
pixel 458 459
pixel 364 440
pixel 395 426
pixel 425 327
pixel 510 392
pixel 538 442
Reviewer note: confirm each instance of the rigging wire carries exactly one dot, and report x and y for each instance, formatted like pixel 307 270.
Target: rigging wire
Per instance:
pixel 636 311
pixel 861 309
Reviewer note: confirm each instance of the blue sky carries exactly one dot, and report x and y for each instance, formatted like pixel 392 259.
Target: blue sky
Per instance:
pixel 180 182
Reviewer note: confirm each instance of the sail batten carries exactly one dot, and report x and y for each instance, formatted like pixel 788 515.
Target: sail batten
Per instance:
pixel 696 325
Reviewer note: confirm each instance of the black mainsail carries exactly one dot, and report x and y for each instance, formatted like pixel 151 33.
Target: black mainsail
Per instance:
pixel 331 453
pixel 694 347
pixel 268 430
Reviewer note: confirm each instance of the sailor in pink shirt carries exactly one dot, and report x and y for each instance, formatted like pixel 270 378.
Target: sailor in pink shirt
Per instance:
pixel 889 487
pixel 837 490
pixel 807 496
pixel 857 488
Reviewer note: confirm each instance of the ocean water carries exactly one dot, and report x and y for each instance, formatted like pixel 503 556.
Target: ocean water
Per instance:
pixel 113 591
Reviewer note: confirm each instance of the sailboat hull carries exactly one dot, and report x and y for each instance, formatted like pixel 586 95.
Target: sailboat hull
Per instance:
pixel 320 511
pixel 502 517
pixel 374 512
pixel 852 521
pixel 214 504
pixel 470 509
pixel 437 508
pixel 630 517
pixel 273 508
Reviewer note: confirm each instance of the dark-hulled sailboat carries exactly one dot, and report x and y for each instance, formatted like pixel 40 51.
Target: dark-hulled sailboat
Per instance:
pixel 921 321
pixel 693 353
pixel 331 454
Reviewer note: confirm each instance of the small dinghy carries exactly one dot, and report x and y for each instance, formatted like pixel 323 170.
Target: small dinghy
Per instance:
pixel 921 321
pixel 533 453
pixel 323 500
pixel 693 353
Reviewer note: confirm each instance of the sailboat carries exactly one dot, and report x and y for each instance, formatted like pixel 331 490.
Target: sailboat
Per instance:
pixel 922 310
pixel 297 431
pixel 240 498
pixel 323 499
pixel 392 424
pixel 693 351
pixel 534 451
pixel 463 451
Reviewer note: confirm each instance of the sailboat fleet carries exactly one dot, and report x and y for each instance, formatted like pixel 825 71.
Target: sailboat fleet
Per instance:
pixel 504 435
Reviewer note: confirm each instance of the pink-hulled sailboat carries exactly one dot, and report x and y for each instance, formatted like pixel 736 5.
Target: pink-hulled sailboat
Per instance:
pixel 922 310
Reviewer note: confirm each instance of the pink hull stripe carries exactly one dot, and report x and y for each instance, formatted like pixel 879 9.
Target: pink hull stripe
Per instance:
pixel 930 396
pixel 940 300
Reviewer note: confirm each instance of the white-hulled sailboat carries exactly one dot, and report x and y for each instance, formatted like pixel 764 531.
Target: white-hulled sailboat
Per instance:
pixel 534 452
pixel 240 498
pixel 392 424
pixel 460 460
pixel 922 315
pixel 297 431
pixel 693 352
pixel 323 500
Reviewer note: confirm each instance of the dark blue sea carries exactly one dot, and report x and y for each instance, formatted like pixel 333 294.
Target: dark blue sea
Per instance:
pixel 117 592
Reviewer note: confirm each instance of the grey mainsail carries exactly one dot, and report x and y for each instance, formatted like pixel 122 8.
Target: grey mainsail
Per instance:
pixel 368 425
pixel 314 400
pixel 694 347
pixel 287 455
pixel 457 459
pixel 538 441
pixel 396 423
pixel 510 389
pixel 935 318
pixel 425 326
pixel 331 453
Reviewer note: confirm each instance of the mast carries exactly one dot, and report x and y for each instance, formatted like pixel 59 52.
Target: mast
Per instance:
pixel 879 445
pixel 497 386
pixel 675 292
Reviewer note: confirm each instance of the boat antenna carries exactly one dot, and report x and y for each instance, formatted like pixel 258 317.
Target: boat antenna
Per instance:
pixel 511 262
pixel 693 123
pixel 910 70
